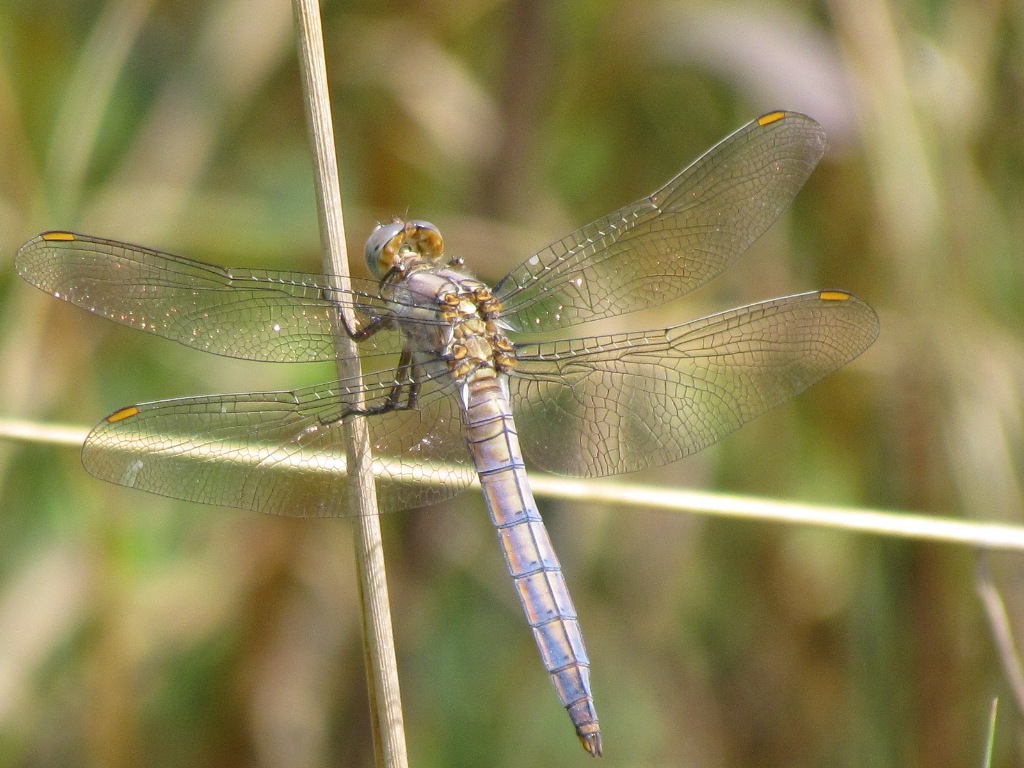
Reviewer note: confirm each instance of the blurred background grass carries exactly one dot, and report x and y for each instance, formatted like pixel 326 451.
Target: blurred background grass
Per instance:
pixel 138 631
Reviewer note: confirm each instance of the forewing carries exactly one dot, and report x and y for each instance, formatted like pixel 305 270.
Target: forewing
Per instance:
pixel 674 241
pixel 285 452
pixel 250 314
pixel 610 404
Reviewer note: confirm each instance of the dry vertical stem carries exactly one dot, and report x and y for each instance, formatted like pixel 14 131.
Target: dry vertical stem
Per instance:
pixel 381 666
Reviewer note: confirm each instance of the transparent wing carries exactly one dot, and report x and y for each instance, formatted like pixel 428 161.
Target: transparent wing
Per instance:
pixel 674 241
pixel 285 452
pixel 251 314
pixel 610 404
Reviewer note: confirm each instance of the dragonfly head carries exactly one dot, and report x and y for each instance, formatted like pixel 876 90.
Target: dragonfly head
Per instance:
pixel 391 245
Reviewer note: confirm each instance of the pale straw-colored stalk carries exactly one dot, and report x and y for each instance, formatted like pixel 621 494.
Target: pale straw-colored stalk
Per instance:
pixel 378 637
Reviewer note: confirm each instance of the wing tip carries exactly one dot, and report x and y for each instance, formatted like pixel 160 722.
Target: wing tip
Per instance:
pixel 833 295
pixel 122 414
pixel 58 236
pixel 771 117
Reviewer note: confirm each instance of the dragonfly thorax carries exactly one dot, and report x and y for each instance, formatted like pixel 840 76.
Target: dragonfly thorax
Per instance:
pixel 476 344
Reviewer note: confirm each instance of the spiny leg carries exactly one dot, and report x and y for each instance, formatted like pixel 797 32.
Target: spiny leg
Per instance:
pixel 352 328
pixel 404 381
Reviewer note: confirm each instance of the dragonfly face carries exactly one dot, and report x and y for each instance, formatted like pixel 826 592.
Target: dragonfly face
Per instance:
pixel 463 398
pixel 390 245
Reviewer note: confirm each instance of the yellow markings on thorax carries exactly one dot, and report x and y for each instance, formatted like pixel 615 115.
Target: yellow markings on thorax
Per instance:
pixel 477 344
pixel 833 295
pixel 771 117
pixel 63 237
pixel 124 413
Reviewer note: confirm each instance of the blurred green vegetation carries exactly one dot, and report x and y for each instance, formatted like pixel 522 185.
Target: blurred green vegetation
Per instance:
pixel 138 631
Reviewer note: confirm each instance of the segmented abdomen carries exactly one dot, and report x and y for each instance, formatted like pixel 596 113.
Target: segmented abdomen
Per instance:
pixel 494 445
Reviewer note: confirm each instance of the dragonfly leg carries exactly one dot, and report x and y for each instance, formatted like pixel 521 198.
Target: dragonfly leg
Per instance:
pixel 368 330
pixel 353 329
pixel 404 395
pixel 405 381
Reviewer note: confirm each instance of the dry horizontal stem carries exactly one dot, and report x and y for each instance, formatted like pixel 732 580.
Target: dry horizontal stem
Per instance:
pixel 908 525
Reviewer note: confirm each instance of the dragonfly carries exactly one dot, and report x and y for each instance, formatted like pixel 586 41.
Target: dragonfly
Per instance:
pixel 447 395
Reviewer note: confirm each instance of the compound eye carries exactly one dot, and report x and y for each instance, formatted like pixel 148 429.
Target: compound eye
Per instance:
pixel 425 238
pixel 388 243
pixel 381 249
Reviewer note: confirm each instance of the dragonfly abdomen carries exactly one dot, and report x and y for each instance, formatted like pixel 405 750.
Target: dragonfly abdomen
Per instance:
pixel 531 560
